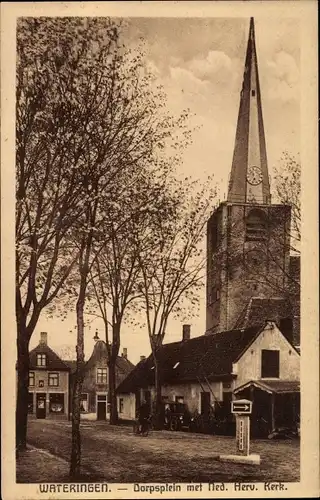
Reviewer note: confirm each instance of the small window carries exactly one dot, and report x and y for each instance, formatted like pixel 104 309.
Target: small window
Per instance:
pixel 270 363
pixel 121 405
pixel 253 93
pixel 41 360
pixel 31 379
pixel 84 403
pixel 56 403
pixel 101 375
pixel 218 294
pixel 53 379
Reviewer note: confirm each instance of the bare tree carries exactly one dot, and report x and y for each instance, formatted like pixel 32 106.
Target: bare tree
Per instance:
pixel 287 188
pixel 172 267
pixel 48 198
pixel 115 272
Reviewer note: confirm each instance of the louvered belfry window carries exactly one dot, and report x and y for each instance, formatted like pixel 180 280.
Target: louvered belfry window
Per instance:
pixel 256 226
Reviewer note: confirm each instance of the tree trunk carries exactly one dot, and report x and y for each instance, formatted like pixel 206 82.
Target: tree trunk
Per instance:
pixel 112 371
pixel 22 388
pixel 158 401
pixel 75 460
pixel 112 392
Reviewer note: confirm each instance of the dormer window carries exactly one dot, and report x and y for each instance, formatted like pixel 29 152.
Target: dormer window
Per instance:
pixel 41 360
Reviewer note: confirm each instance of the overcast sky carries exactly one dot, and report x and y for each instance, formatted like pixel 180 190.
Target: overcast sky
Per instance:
pixel 200 64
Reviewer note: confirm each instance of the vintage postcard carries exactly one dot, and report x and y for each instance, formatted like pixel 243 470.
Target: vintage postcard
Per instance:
pixel 159 250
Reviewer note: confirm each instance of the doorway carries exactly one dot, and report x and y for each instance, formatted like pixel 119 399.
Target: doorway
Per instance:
pixel 205 403
pixel 41 405
pixel 101 407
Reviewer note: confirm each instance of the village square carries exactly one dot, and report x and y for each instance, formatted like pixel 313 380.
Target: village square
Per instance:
pixel 105 229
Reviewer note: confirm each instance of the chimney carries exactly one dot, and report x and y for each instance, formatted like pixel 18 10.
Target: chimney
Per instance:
pixel 142 358
pixel 43 338
pixel 125 353
pixel 186 332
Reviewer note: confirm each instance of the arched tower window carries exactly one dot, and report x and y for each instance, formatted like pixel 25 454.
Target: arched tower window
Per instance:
pixel 256 226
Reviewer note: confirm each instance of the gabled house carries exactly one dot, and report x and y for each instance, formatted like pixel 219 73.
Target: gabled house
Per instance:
pixel 94 397
pixel 207 372
pixel 48 382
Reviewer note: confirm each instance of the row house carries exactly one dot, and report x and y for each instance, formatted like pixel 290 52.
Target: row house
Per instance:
pixel 94 397
pixel 48 382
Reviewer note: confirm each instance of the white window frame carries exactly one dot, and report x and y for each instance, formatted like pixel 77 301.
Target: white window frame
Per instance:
pixel 106 370
pixel 57 378
pixel 41 357
pixel 34 378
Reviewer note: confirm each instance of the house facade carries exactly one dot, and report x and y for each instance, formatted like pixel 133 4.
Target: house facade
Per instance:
pixel 48 382
pixel 94 397
pixel 208 372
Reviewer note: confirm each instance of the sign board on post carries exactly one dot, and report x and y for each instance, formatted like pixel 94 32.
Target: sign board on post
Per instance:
pixel 242 406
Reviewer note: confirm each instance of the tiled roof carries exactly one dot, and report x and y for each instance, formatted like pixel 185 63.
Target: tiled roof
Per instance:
pixel 205 357
pixel 276 386
pixel 260 310
pixel 53 360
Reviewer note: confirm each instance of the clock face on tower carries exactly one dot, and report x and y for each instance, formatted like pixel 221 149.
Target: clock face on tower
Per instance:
pixel 254 175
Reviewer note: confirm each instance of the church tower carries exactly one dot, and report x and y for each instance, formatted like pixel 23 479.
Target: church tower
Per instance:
pixel 248 237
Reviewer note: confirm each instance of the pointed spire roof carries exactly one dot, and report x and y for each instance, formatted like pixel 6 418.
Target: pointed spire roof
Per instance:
pixel 249 180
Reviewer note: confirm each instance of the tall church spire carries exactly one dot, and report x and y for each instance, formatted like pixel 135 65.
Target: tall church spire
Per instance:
pixel 249 180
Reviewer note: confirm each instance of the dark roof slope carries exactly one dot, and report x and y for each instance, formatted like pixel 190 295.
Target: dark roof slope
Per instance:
pixel 71 364
pixel 259 310
pixel 53 360
pixel 124 366
pixel 208 356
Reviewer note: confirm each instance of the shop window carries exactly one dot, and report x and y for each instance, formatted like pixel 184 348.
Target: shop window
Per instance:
pixel 30 402
pixel 41 360
pixel 56 403
pixel 31 379
pixel 53 379
pixel 121 405
pixel 84 406
pixel 101 375
pixel 256 227
pixel 270 363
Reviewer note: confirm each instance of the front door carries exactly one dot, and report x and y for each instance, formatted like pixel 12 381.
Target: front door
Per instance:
pixel 101 410
pixel 41 405
pixel 205 403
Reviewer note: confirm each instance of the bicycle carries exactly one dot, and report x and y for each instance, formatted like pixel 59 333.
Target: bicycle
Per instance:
pixel 140 429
